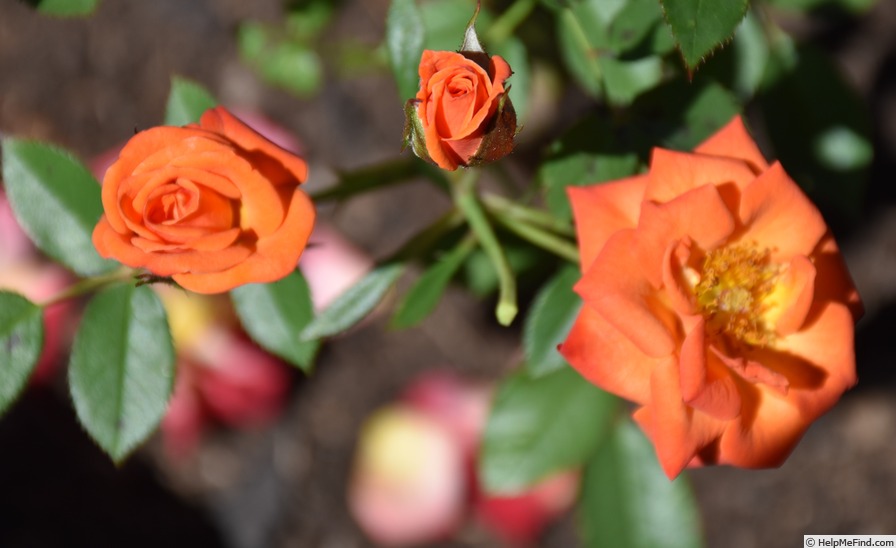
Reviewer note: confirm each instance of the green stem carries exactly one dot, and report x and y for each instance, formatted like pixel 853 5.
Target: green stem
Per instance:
pixel 537 217
pixel 468 204
pixel 543 239
pixel 504 26
pixel 369 178
pixel 88 285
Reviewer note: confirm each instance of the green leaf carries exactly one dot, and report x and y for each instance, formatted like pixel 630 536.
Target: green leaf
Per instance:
pixel 422 298
pixel 67 8
pixel 274 314
pixel 699 26
pixel 187 100
pixel 404 42
pixel 282 62
pixel 627 500
pixel 57 201
pixel 582 34
pixel 624 81
pixel 21 342
pixel 590 152
pixel 122 368
pixel 444 23
pixel 540 426
pixel 742 65
pixel 353 305
pixel 553 312
pixel 819 129
pixel 634 22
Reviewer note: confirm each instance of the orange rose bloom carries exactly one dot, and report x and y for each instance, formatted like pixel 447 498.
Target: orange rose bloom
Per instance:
pixel 213 205
pixel 462 109
pixel 716 299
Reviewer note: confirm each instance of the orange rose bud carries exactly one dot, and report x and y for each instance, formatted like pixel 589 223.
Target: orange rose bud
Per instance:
pixel 213 205
pixel 462 115
pixel 716 299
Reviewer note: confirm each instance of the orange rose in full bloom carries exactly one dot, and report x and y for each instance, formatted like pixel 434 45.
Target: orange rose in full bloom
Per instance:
pixel 214 205
pixel 462 115
pixel 716 299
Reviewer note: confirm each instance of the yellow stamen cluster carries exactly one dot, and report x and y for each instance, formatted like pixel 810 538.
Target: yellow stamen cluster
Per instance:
pixel 731 293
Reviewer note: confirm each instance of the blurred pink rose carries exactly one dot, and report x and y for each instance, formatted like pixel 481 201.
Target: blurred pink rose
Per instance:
pixel 404 492
pixel 221 376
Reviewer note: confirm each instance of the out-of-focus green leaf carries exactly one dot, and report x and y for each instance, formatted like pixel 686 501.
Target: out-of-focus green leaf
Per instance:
pixel 353 305
pixel 818 127
pixel 122 368
pixel 699 27
pixel 608 45
pixel 680 115
pixel 281 61
pixel 404 42
pixel 742 65
pixel 633 23
pixel 539 426
pixel 590 152
pixel 549 320
pixel 187 100
pixel 625 80
pixel 583 32
pixel 67 8
pixel 274 314
pixel 57 201
pixel 445 21
pixel 422 298
pixel 627 500
pixel 21 342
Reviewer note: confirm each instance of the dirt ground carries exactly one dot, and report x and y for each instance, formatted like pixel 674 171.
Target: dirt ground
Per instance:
pixel 86 84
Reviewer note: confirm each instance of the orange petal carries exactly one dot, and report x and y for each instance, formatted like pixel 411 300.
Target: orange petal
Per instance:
pixel 221 120
pixel 733 141
pixel 826 341
pixel 608 359
pixel 699 214
pixel 705 383
pixel 463 149
pixel 766 436
pixel 833 282
pixel 602 209
pixel 500 72
pixel 675 173
pixel 261 206
pixel 275 256
pixel 778 215
pixel 617 287
pixel 678 432
pixel 794 293
pixel 677 289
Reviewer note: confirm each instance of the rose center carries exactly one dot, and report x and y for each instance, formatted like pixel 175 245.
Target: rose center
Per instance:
pixel 731 293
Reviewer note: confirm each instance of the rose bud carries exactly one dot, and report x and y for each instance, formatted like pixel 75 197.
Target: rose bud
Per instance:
pixel 716 299
pixel 462 114
pixel 213 205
